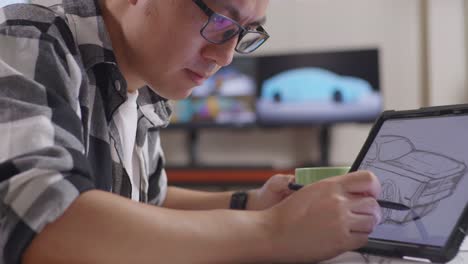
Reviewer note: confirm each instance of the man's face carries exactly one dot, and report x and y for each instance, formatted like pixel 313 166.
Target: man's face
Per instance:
pixel 164 47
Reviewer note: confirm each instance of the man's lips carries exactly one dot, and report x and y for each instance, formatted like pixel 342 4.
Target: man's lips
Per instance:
pixel 196 77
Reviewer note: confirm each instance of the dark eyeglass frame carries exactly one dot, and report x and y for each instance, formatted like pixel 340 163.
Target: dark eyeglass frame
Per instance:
pixel 242 31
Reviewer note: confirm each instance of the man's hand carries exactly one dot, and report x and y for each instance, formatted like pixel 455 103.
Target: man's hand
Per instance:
pixel 325 219
pixel 271 193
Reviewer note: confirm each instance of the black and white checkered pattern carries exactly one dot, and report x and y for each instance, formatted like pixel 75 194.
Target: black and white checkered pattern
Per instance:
pixel 59 89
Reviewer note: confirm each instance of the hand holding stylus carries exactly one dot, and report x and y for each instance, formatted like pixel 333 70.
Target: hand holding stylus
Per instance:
pixel 341 221
pixel 382 203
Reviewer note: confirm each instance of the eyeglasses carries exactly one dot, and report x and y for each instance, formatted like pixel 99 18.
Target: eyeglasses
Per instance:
pixel 220 29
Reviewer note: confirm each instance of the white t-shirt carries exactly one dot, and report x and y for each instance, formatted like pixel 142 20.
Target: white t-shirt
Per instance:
pixel 126 122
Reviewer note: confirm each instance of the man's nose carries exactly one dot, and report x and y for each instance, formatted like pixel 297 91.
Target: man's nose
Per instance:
pixel 221 54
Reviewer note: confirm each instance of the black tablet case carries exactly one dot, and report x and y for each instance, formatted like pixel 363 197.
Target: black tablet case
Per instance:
pixel 415 251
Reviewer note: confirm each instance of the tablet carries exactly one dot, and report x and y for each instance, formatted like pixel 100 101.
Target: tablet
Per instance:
pixel 421 159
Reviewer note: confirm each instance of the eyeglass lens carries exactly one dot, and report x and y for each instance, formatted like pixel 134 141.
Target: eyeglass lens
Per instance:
pixel 250 42
pixel 220 29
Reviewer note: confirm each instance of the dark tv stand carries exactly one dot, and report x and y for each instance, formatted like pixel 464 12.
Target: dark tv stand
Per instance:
pixel 195 173
pixel 324 143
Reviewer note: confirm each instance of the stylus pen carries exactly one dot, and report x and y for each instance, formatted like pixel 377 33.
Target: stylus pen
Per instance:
pixel 383 204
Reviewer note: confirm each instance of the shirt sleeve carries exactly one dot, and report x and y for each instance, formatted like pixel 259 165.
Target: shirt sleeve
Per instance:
pixel 43 167
pixel 157 185
pixel 161 198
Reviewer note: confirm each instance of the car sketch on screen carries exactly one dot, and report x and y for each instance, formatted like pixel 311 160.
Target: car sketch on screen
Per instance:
pixel 419 179
pixel 315 94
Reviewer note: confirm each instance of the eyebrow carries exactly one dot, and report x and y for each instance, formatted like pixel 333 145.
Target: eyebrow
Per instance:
pixel 259 22
pixel 234 12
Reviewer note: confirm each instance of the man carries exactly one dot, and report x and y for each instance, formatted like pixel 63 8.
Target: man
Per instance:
pixel 83 93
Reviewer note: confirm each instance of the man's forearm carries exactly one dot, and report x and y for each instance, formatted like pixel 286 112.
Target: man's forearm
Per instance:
pixel 103 228
pixel 178 198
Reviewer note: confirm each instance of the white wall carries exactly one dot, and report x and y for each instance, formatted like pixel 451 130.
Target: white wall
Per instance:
pixel 394 26
pixel 447 52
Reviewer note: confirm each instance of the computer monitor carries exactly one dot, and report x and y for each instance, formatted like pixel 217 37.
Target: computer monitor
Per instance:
pixel 228 98
pixel 299 88
pixel 319 87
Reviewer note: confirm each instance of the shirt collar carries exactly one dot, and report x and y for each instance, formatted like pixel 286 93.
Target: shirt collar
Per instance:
pixel 89 30
pixel 93 40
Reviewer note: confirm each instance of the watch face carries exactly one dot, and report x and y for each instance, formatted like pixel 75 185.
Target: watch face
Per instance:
pixel 239 200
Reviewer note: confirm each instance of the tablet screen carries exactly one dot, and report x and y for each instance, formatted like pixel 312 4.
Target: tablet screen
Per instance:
pixel 422 163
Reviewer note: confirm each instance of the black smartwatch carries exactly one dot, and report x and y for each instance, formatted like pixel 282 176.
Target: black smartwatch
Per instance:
pixel 239 200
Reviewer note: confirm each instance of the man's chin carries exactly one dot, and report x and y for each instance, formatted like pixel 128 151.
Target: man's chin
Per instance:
pixel 174 93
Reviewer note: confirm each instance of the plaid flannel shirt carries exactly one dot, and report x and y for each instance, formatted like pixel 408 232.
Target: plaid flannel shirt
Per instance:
pixel 59 89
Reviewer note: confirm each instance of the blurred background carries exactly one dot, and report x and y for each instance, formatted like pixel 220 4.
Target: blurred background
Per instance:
pixel 310 95
pixel 405 53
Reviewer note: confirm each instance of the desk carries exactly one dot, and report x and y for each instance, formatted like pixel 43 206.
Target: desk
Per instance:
pixel 355 258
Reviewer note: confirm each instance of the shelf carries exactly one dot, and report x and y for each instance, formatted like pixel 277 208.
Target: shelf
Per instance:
pixel 220 175
pixel 193 136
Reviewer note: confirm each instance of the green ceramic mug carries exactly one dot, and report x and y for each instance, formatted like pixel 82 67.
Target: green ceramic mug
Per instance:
pixel 309 175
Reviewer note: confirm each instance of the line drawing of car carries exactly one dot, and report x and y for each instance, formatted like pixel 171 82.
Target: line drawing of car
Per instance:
pixel 419 179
